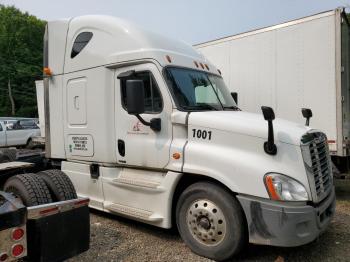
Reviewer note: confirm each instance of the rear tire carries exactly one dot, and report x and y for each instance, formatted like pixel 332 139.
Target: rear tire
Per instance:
pixel 31 189
pixel 59 184
pixel 211 221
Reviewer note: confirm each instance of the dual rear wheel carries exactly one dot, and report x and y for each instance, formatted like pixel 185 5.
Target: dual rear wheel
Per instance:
pixel 41 188
pixel 209 218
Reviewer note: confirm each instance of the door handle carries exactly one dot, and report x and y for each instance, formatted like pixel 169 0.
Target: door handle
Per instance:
pixel 121 147
pixel 76 102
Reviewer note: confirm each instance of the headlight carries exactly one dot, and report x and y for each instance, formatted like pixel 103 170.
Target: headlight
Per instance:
pixel 284 188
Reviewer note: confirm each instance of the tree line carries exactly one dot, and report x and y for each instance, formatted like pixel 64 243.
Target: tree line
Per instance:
pixel 21 59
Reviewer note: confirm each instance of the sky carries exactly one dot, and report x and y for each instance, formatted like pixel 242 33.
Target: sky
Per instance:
pixel 193 21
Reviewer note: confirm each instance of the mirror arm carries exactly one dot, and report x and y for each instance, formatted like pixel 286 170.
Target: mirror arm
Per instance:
pixel 307 121
pixel 269 146
pixel 155 123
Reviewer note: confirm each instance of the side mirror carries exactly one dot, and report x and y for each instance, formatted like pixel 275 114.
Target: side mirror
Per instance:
pixel 235 97
pixel 268 113
pixel 135 103
pixel 135 97
pixel 307 113
pixel 269 146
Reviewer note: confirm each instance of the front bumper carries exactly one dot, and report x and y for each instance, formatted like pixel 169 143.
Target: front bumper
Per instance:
pixel 286 224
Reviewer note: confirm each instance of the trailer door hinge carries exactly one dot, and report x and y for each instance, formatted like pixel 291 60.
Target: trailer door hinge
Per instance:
pixel 342 99
pixel 342 69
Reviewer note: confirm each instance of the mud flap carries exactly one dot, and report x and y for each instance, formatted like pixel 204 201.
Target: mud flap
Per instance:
pixel 60 236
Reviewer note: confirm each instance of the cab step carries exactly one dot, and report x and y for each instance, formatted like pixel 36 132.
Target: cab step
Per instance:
pixel 123 181
pixel 134 212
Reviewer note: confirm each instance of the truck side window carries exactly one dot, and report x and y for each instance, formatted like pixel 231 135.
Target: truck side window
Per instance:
pixel 80 42
pixel 153 99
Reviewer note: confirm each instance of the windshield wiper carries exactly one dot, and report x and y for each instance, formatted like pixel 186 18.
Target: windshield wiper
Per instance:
pixel 200 106
pixel 236 108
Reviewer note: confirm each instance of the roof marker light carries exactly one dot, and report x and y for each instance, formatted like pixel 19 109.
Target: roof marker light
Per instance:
pixel 219 71
pixel 168 58
pixel 196 64
pixel 207 67
pixel 202 66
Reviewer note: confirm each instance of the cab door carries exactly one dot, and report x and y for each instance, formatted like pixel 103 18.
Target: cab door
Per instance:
pixel 138 145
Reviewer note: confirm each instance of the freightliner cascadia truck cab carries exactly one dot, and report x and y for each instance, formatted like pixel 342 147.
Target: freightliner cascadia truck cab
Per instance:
pixel 145 127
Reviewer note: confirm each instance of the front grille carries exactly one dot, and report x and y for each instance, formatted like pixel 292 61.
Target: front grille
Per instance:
pixel 318 164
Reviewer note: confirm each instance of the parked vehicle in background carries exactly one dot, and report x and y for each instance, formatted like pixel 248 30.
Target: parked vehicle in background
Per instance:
pixel 18 132
pixel 300 63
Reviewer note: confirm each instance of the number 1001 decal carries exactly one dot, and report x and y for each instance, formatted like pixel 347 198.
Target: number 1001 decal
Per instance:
pixel 203 134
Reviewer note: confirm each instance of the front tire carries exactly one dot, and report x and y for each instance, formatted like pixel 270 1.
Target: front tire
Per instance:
pixel 211 221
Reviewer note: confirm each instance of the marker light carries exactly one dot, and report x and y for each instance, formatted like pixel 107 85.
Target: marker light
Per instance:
pixel 3 257
pixel 49 210
pixel 207 67
pixel 196 64
pixel 17 250
pixel 47 71
pixel 202 66
pixel 17 234
pixel 168 58
pixel 284 188
pixel 176 156
pixel 219 71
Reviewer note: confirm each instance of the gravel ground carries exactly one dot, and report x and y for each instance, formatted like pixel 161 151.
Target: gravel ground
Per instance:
pixel 118 239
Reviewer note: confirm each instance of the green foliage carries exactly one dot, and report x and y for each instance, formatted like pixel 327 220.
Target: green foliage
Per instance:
pixel 21 56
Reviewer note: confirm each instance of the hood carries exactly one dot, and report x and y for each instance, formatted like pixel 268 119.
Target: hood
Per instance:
pixel 249 124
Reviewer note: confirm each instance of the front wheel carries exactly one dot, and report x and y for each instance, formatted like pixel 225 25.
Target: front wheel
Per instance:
pixel 211 221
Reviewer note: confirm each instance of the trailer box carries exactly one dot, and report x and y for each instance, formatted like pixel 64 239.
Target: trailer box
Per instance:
pixel 289 66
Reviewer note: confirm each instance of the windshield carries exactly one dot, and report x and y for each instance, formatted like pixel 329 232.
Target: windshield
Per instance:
pixel 196 90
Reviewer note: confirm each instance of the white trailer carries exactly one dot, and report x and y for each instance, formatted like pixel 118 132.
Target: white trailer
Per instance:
pixel 289 66
pixel 145 127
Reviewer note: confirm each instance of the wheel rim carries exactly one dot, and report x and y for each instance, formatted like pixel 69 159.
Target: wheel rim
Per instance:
pixel 14 191
pixel 206 222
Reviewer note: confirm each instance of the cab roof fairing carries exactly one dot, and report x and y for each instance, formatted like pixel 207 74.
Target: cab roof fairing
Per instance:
pixel 115 41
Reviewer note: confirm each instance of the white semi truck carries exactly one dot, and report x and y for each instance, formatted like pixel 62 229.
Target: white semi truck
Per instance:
pixel 300 63
pixel 145 127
